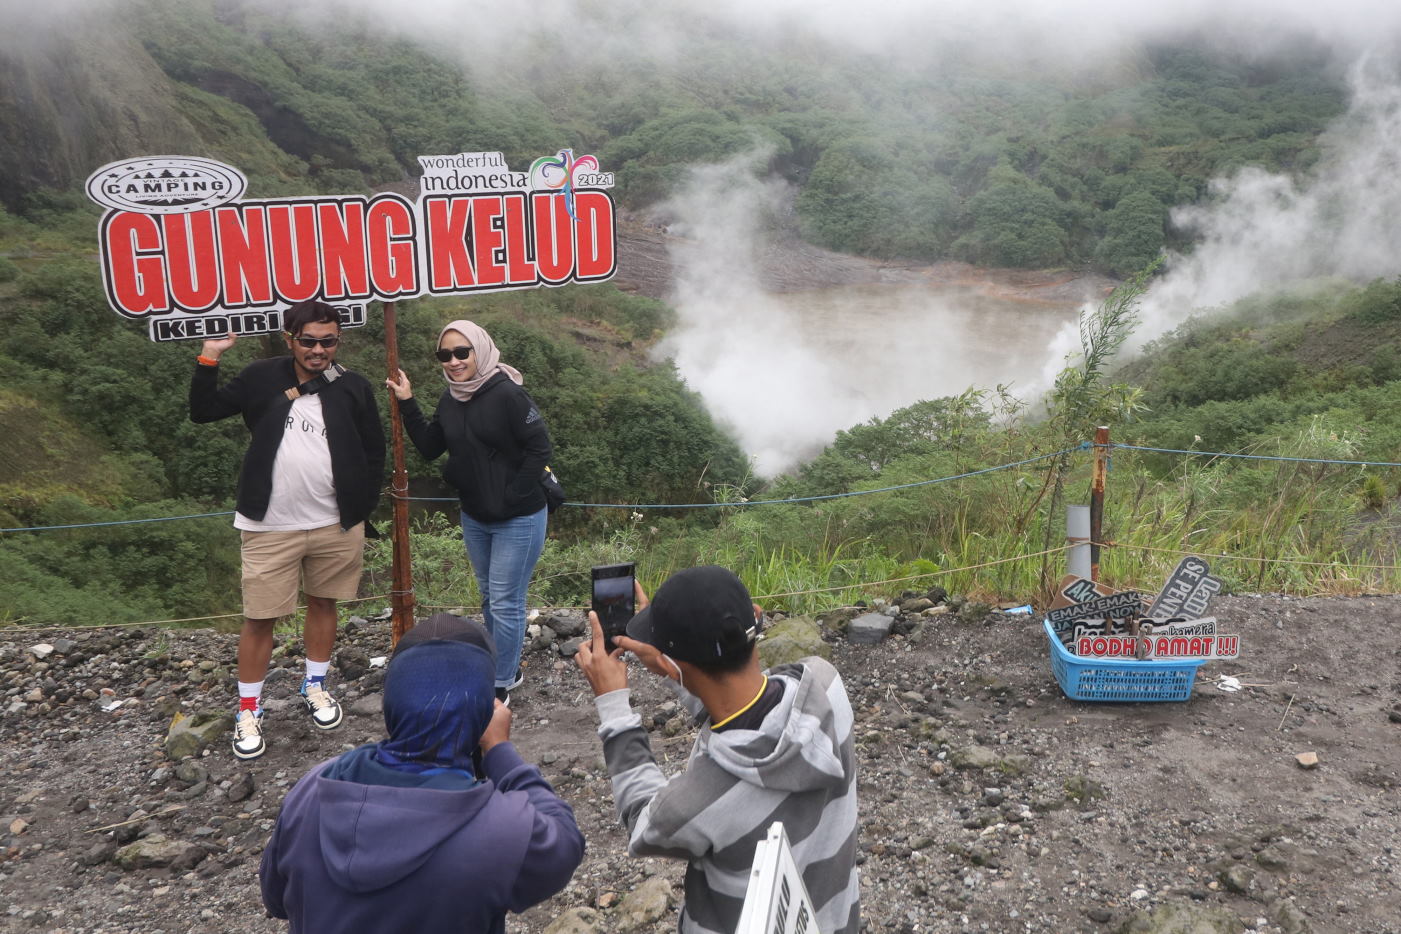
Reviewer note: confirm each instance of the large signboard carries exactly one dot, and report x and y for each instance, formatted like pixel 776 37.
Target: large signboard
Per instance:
pixel 183 251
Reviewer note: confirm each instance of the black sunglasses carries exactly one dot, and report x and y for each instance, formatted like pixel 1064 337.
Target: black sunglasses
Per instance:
pixel 310 342
pixel 444 355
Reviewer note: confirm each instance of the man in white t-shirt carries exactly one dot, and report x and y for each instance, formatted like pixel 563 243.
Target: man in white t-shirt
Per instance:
pixel 310 479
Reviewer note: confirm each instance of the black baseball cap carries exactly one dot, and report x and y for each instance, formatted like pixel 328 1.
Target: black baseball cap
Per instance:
pixel 447 627
pixel 700 615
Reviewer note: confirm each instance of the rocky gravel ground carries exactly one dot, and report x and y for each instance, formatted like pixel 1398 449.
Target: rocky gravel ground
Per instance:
pixel 989 802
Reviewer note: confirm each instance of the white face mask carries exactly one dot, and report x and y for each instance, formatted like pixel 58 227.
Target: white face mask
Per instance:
pixel 673 664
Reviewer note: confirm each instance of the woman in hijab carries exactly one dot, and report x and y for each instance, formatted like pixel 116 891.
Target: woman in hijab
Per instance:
pixel 440 828
pixel 498 449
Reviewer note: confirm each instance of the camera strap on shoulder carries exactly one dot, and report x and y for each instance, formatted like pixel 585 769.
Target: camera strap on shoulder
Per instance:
pixel 316 383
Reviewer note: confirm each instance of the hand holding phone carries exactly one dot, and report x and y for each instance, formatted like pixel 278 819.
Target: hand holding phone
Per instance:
pixel 613 600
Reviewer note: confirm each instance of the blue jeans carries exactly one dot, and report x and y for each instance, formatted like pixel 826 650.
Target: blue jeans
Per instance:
pixel 503 556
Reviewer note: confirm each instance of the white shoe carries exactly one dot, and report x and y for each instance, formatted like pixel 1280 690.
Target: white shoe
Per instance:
pixel 325 712
pixel 248 735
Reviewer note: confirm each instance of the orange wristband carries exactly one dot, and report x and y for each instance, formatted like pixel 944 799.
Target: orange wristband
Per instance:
pixel 202 360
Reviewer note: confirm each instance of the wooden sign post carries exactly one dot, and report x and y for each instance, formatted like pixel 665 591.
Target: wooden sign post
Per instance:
pixel 401 596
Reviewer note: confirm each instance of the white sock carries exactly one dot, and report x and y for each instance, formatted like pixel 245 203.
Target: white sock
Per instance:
pixel 317 669
pixel 253 689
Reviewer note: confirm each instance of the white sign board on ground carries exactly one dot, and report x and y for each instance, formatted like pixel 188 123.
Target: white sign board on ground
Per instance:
pixel 776 902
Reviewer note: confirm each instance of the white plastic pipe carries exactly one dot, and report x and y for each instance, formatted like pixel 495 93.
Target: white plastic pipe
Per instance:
pixel 1077 535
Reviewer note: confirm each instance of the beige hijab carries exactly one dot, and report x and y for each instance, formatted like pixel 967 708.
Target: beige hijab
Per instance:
pixel 488 360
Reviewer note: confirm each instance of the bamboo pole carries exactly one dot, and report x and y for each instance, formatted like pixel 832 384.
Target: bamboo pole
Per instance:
pixel 401 595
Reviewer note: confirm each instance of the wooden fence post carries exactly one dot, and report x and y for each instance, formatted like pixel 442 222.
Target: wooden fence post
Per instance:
pixel 1097 481
pixel 401 595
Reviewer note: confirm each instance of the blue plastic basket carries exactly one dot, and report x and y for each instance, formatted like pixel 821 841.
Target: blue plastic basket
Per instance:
pixel 1114 679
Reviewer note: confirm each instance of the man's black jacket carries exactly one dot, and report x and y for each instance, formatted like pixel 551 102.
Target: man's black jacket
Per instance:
pixel 353 431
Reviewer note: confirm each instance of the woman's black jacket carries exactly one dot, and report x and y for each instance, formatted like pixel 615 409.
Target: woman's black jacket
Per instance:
pixel 497 447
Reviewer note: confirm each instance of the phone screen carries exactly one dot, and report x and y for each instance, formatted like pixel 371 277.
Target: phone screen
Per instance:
pixel 613 599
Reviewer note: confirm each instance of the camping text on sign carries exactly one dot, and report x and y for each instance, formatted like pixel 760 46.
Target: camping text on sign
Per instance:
pixel 181 250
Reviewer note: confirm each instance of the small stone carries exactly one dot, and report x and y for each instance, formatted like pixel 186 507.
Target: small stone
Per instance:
pixel 1238 879
pixel 868 629
pixel 99 852
pixel 371 705
pixel 576 921
pixel 1307 760
pixel 242 787
pixel 41 650
pixel 18 826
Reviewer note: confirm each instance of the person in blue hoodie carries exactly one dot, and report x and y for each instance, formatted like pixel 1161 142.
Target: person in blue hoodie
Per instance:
pixel 412 834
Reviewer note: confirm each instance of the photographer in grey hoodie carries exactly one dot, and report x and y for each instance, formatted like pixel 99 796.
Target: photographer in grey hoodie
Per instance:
pixel 773 746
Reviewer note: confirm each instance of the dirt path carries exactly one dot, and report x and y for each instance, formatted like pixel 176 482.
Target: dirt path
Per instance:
pixel 1080 816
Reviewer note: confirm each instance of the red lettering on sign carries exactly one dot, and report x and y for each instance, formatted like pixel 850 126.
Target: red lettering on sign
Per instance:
pixel 344 263
pixel 296 270
pixel 594 234
pixel 390 224
pixel 192 264
pixel 449 258
pixel 243 249
pixel 488 242
pixel 519 269
pixel 554 242
pixel 131 245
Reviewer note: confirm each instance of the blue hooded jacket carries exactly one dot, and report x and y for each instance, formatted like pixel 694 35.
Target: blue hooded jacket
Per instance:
pixel 364 844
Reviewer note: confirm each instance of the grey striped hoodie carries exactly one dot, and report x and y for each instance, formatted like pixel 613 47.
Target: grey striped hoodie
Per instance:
pixel 799 767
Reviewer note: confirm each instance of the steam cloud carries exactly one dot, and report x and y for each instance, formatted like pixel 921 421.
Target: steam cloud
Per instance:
pixel 786 372
pixel 785 380
pixel 1262 232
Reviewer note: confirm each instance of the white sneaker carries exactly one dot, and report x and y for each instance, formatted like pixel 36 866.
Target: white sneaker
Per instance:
pixel 248 735
pixel 325 712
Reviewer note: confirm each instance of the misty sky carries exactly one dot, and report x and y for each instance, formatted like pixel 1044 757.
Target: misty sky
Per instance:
pixel 784 397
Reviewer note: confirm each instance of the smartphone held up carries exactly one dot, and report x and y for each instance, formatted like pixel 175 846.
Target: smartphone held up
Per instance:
pixel 613 599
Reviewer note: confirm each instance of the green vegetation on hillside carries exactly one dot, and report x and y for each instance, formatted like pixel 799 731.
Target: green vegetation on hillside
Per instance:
pixel 954 159
pixel 97 428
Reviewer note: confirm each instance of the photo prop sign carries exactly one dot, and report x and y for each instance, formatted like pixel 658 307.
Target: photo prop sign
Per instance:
pixel 1123 605
pixel 1083 606
pixel 1073 589
pixel 182 250
pixel 1206 626
pixel 776 901
pixel 1159 646
pixel 1187 592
